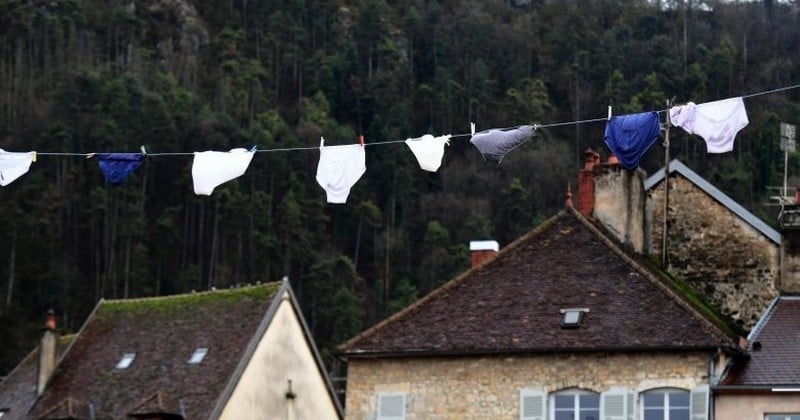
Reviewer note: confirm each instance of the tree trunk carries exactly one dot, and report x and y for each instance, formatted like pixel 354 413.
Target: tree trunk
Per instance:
pixel 11 268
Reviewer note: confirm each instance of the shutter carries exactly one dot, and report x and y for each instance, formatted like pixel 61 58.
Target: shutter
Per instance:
pixel 699 403
pixel 392 406
pixel 631 401
pixel 616 404
pixel 532 405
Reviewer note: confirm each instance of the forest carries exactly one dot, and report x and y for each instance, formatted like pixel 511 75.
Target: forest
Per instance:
pixel 182 76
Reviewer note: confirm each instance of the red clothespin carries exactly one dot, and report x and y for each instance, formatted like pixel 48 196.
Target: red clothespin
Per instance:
pixel 361 140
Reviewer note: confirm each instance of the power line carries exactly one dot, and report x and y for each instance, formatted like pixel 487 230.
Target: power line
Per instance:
pixel 453 136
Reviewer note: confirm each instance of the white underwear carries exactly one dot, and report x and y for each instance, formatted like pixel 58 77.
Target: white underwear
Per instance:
pixel 212 169
pixel 716 122
pixel 13 165
pixel 340 167
pixel 428 150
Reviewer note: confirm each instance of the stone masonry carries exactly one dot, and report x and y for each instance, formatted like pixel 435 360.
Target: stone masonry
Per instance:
pixel 729 262
pixel 488 387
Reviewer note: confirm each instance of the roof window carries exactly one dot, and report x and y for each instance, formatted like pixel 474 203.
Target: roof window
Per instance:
pixel 198 355
pixel 126 361
pixel 572 317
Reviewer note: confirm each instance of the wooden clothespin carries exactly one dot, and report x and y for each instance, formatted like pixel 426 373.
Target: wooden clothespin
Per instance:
pixel 361 140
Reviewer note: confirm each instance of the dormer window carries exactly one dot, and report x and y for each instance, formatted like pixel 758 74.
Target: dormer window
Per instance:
pixel 572 317
pixel 126 361
pixel 198 355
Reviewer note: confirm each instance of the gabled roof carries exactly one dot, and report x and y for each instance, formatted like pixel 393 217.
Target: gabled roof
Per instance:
pixel 677 166
pixel 163 333
pixel 513 303
pixel 18 389
pixel 774 350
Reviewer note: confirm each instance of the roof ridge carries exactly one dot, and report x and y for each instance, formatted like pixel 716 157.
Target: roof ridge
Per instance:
pixel 677 296
pixel 182 295
pixel 763 321
pixel 453 282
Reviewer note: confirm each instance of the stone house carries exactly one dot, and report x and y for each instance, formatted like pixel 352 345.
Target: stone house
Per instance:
pixel 568 321
pixel 722 250
pixel 766 386
pixel 230 354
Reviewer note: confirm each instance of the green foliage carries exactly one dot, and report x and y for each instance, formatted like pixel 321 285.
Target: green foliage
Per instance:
pixel 91 76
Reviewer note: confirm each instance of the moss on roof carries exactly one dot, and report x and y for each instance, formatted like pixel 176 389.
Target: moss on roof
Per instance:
pixel 181 302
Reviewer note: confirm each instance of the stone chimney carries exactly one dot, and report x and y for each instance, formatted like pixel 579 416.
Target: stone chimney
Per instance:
pixel 482 251
pixel 615 198
pixel 47 352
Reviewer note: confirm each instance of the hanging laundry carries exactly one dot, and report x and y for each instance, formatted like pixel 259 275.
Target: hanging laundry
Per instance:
pixel 340 167
pixel 117 167
pixel 428 150
pixel 716 122
pixel 13 165
pixel 630 136
pixel 212 169
pixel 495 144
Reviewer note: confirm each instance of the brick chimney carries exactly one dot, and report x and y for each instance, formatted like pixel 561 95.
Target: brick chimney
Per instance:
pixel 586 182
pixel 47 351
pixel 483 251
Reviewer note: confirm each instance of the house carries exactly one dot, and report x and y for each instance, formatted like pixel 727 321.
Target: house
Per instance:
pixel 568 321
pixel 767 384
pixel 717 246
pixel 233 354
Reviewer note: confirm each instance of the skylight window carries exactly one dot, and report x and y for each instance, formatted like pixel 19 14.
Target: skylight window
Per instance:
pixel 126 361
pixel 198 355
pixel 572 317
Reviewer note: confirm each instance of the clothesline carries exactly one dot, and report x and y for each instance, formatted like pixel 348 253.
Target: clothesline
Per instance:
pixel 454 136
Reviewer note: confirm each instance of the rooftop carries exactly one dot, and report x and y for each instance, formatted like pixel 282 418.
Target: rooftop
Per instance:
pixel 514 303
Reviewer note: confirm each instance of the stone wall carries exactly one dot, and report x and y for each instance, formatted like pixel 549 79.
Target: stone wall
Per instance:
pixel 619 204
pixel 488 387
pixel 729 262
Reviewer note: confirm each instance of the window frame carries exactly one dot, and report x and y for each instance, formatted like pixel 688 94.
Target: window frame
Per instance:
pixel 575 393
pixel 781 416
pixel 665 407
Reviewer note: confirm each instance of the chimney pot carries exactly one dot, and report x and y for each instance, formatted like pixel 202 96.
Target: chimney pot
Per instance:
pixel 586 183
pixel 612 160
pixel 797 195
pixel 50 320
pixel 482 251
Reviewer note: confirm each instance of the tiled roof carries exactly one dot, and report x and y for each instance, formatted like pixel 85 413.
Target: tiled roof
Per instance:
pixel 163 332
pixel 774 350
pixel 18 389
pixel 677 166
pixel 513 303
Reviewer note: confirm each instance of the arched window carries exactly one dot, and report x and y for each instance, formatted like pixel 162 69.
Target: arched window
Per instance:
pixel 575 404
pixel 665 404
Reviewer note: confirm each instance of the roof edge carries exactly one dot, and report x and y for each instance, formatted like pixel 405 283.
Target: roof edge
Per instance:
pixel 500 352
pixel 277 299
pixel 720 332
pixel 342 348
pixel 248 353
pixel 676 165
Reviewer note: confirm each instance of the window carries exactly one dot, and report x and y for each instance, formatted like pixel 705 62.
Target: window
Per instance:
pixel 126 361
pixel 572 317
pixel 391 406
pixel 575 405
pixel 795 416
pixel 666 404
pixel 198 355
pixel 3 413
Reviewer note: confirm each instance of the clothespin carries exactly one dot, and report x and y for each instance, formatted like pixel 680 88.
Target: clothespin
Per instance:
pixel 321 142
pixel 254 148
pixel 89 155
pixel 143 150
pixel 361 140
pixel 609 112
pixel 472 128
pixel 33 159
